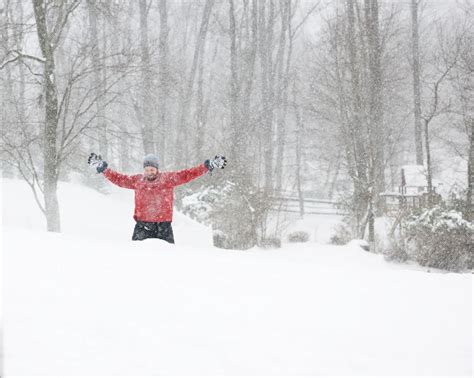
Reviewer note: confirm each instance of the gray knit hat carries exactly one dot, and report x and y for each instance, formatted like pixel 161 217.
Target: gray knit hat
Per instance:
pixel 150 160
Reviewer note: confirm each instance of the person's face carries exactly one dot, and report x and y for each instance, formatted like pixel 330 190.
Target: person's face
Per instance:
pixel 150 173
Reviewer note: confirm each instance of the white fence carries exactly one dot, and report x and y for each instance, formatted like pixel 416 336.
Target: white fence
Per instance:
pixel 310 206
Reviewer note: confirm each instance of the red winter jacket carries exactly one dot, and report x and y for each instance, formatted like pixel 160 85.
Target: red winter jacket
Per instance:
pixel 154 199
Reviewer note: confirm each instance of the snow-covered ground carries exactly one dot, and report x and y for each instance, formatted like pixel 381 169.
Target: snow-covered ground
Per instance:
pixel 90 301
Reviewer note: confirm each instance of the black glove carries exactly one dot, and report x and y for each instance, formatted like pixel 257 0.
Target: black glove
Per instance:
pixel 219 161
pixel 97 162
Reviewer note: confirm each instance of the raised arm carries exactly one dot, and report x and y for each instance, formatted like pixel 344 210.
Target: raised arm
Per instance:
pixel 186 175
pixel 120 179
pixel 116 178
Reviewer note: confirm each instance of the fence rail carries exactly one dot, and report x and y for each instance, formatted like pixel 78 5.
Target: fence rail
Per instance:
pixel 311 206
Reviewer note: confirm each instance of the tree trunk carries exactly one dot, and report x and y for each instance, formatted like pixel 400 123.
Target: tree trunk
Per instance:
pixel 6 95
pixel 200 106
pixel 234 79
pixel 333 183
pixel 375 121
pixel 241 86
pixel 282 94
pixel 267 77
pixel 21 67
pixel 183 139
pixel 376 103
pixel 125 141
pixel 146 108
pixel 100 125
pixel 429 169
pixel 470 175
pixel 416 82
pixel 361 196
pixel 245 234
pixel 50 170
pixel 240 139
pixel 299 134
pixel 164 85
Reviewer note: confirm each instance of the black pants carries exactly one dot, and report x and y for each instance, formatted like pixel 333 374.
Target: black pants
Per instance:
pixel 157 230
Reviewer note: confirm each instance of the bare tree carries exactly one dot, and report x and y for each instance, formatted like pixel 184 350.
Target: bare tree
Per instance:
pixel 436 107
pixel 98 75
pixel 146 109
pixel 283 61
pixel 188 89
pixel 266 25
pixel 357 132
pixel 49 34
pixel 470 176
pixel 164 81
pixel 415 41
pixel 68 105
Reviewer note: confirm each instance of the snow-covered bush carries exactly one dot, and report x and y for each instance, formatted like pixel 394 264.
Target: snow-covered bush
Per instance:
pixel 298 237
pixel 342 234
pixel 198 202
pixel 440 238
pixel 458 200
pixel 238 210
pixel 395 251
pixel 270 243
pixel 220 240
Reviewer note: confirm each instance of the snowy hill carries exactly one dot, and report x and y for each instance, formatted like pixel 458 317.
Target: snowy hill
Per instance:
pixel 88 213
pixel 90 301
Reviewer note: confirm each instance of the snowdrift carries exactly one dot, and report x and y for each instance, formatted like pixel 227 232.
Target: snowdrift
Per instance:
pixel 90 301
pixel 88 213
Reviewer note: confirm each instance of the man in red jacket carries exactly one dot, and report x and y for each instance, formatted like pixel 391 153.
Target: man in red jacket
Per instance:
pixel 154 193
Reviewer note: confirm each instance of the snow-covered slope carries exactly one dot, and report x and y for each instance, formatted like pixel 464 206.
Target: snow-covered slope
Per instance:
pixel 90 301
pixel 88 213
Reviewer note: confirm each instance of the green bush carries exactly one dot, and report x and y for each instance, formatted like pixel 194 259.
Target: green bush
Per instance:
pixel 440 238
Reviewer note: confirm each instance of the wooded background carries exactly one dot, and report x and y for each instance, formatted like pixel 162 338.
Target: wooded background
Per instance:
pixel 323 99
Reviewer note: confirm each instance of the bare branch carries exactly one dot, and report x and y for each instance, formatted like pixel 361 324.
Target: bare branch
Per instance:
pixel 20 56
pixel 62 21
